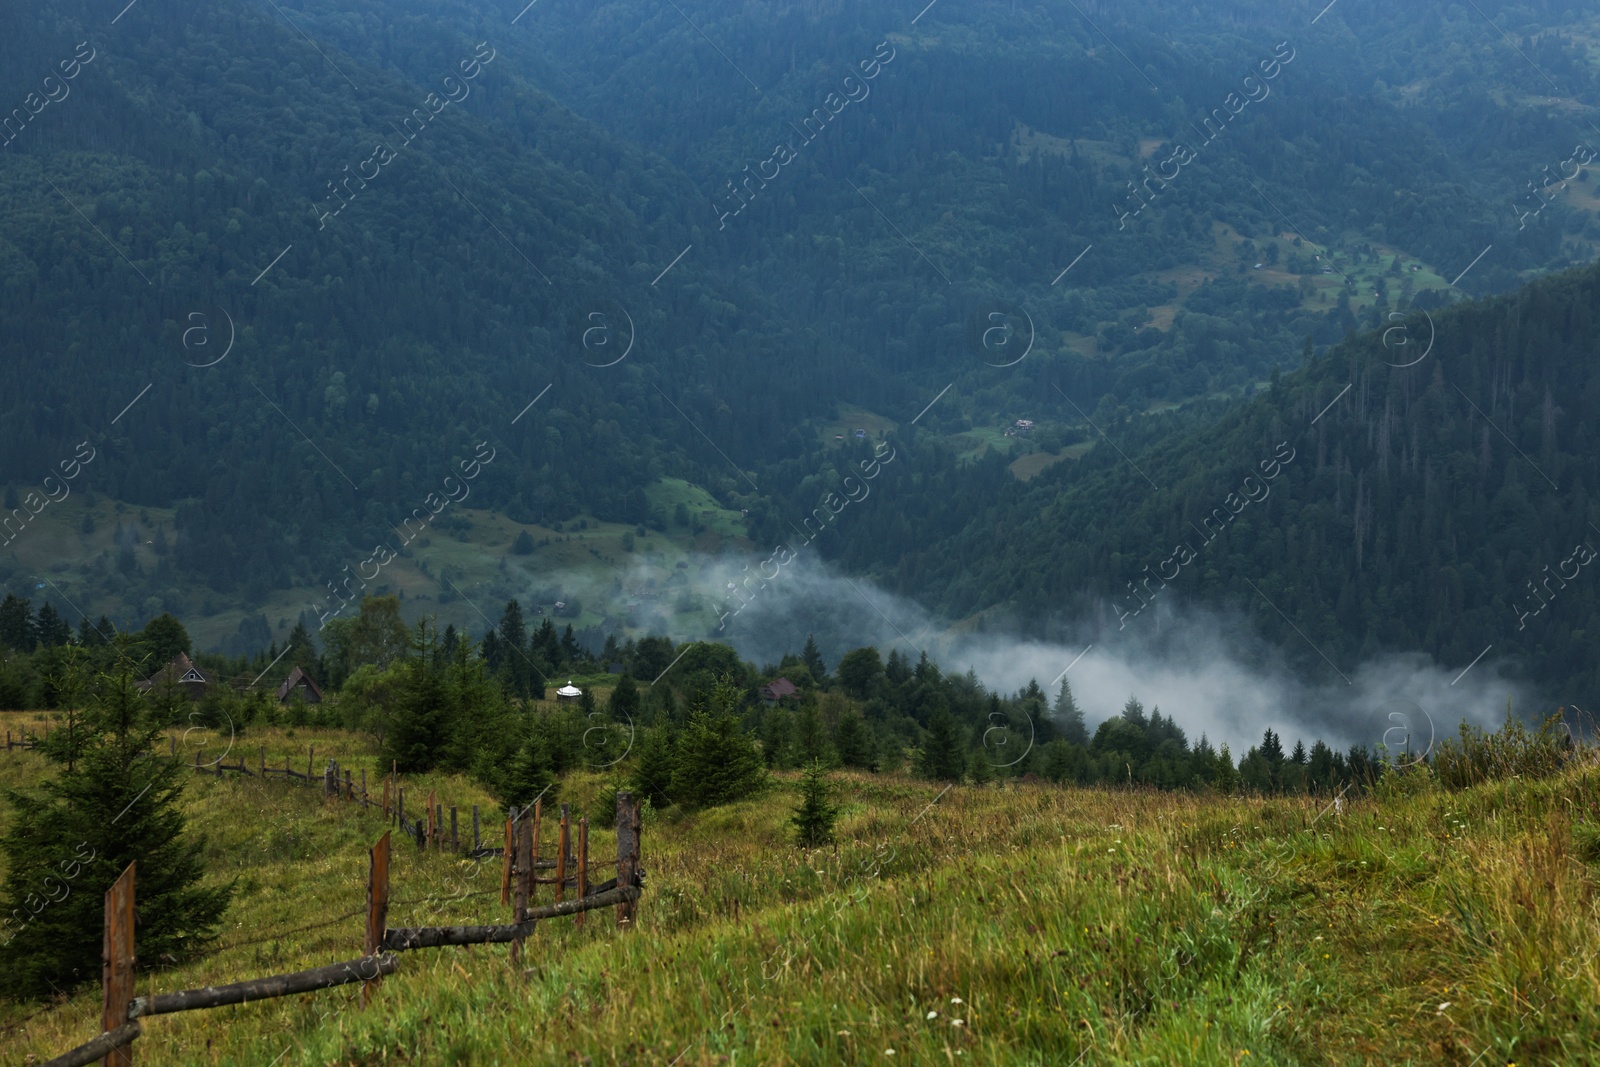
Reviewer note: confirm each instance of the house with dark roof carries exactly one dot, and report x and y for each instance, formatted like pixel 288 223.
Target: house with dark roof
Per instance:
pixel 777 689
pixel 180 673
pixel 299 684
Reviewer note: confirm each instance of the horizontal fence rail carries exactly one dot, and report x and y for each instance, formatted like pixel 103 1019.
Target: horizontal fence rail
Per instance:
pixel 364 969
pixel 122 1012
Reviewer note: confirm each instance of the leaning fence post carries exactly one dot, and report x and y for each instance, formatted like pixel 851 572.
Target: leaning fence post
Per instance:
pixel 627 853
pixel 117 959
pixel 583 861
pixel 377 908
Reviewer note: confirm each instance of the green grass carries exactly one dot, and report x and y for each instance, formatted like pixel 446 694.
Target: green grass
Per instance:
pixel 1419 926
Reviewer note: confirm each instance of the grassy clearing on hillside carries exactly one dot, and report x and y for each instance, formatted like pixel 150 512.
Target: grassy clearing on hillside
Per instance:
pixel 1017 925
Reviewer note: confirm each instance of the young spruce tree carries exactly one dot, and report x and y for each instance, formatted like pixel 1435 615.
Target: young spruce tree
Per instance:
pixel 814 818
pixel 74 834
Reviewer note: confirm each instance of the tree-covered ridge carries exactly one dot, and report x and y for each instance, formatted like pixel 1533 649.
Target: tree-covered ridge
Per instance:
pixel 1441 506
pixel 482 219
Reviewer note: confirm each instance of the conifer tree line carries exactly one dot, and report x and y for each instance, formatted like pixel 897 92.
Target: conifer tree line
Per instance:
pixel 698 734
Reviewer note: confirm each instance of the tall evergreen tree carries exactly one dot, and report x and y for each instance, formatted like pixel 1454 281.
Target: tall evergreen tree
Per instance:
pixel 162 638
pixel 812 658
pixel 417 731
pixel 623 704
pixel 17 628
pixel 52 628
pixel 73 835
pixel 1069 717
pixel 852 742
pixel 944 755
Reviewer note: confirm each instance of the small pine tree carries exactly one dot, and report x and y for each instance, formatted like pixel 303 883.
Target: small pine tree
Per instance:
pixel 71 837
pixel 717 761
pixel 529 775
pixel 652 774
pixel 814 818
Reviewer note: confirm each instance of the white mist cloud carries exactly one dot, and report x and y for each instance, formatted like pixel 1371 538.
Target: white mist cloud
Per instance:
pixel 1209 670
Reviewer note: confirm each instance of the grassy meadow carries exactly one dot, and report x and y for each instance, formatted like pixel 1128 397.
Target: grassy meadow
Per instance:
pixel 1014 924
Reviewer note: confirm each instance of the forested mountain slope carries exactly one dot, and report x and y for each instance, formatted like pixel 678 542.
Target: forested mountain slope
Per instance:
pixel 1447 505
pixel 413 222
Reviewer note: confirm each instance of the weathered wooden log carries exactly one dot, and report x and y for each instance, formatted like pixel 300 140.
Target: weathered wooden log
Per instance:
pixel 404 939
pixel 99 1048
pixel 364 969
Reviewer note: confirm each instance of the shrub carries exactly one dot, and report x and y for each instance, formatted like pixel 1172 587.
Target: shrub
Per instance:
pixel 1514 751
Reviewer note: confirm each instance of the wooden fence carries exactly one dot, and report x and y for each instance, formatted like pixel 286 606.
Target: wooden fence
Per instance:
pixel 122 1012
pixel 23 741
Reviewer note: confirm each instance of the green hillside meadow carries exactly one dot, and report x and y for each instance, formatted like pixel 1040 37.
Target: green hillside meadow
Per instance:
pixel 996 925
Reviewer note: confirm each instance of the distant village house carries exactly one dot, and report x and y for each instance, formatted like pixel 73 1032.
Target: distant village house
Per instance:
pixel 180 673
pixel 299 684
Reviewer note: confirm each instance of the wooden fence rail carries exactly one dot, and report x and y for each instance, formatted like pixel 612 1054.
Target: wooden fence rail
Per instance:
pixel 380 943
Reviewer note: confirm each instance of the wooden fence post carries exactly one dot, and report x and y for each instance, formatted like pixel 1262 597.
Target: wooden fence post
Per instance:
pixel 117 959
pixel 538 820
pixel 524 882
pixel 477 840
pixel 565 843
pixel 583 861
pixel 627 853
pixel 311 756
pixel 455 835
pixel 377 908
pixel 433 819
pixel 329 786
pixel 438 826
pixel 505 867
